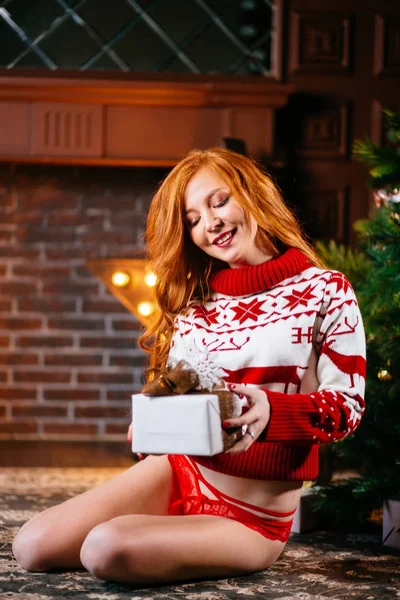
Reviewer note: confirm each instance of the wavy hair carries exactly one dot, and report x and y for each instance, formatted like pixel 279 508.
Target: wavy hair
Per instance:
pixel 182 269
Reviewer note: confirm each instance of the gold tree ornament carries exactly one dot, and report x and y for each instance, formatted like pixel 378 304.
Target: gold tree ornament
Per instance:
pixel 395 218
pixel 384 197
pixel 384 375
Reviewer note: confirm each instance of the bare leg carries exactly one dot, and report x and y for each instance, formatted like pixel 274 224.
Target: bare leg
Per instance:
pixel 141 549
pixel 53 539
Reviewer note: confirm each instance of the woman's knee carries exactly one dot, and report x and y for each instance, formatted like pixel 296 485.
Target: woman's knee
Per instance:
pixel 31 546
pixel 109 553
pixel 102 551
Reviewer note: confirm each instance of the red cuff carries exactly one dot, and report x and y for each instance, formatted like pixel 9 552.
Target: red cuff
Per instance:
pixel 291 418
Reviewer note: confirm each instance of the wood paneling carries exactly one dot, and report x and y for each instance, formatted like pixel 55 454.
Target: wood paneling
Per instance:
pixel 60 129
pixel 15 128
pixel 160 132
pixel 260 122
pixel 136 122
pixel 325 135
pixel 325 212
pixel 320 42
pixel 387 45
pixel 344 60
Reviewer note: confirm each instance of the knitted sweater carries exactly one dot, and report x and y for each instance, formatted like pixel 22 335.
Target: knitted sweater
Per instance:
pixel 296 332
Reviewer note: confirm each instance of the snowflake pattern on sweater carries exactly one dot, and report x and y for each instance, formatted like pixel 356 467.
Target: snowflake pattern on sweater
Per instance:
pixel 302 341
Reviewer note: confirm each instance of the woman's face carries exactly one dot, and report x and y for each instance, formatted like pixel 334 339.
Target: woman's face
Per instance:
pixel 218 224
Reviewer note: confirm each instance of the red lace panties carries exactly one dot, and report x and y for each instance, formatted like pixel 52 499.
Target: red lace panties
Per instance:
pixel 188 499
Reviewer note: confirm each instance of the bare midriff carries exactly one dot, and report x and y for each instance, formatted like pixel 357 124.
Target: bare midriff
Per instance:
pixel 279 496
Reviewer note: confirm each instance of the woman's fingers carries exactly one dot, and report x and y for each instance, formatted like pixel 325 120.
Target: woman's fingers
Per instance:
pixel 249 417
pixel 249 437
pixel 254 395
pixel 259 407
pixel 240 388
pixel 241 446
pixel 255 419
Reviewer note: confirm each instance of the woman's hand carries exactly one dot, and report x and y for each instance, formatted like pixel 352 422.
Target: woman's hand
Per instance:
pixel 256 418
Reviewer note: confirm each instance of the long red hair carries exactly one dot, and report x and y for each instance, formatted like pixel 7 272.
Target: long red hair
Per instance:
pixel 183 271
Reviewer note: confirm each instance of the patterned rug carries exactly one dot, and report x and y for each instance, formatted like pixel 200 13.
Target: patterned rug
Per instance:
pixel 321 565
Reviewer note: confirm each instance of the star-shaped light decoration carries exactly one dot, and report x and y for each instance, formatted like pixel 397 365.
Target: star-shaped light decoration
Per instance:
pixel 129 280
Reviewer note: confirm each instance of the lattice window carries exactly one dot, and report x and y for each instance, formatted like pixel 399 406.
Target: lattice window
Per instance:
pixel 185 36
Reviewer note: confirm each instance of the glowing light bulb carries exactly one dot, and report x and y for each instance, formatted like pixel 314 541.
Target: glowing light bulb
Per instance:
pixel 120 278
pixel 150 279
pixel 145 308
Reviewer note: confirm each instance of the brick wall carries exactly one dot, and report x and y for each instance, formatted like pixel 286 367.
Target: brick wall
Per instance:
pixel 69 357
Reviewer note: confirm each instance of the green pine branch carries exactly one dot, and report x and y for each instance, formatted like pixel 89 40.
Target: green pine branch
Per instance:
pixel 384 161
pixel 393 123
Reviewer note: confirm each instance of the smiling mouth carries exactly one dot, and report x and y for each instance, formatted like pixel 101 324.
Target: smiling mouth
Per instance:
pixel 225 238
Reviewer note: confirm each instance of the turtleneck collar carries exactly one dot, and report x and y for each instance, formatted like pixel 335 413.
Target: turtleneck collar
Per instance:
pixel 252 279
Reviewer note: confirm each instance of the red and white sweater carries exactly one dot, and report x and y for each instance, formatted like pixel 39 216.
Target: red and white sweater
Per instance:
pixel 295 331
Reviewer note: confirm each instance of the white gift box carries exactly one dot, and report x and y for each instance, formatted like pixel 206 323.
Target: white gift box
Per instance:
pixel 181 424
pixel 305 518
pixel 391 524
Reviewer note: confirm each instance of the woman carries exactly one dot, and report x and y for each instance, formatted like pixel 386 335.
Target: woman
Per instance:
pixel 240 288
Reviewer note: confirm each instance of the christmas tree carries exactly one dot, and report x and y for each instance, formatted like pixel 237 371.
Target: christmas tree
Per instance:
pixel 374 450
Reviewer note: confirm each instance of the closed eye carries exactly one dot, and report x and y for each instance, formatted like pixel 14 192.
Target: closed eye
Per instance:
pixel 193 222
pixel 222 202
